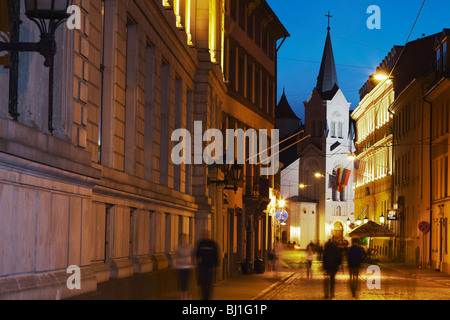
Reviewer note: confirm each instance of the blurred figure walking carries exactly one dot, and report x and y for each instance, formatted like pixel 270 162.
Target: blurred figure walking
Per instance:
pixel 183 265
pixel 332 258
pixel 277 250
pixel 309 259
pixel 207 259
pixel 355 256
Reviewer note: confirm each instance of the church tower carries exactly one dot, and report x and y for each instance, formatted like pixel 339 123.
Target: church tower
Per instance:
pixel 328 142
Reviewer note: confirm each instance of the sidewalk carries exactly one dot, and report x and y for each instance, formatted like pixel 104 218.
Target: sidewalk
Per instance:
pixel 162 286
pixel 418 273
pixel 242 287
pixel 249 287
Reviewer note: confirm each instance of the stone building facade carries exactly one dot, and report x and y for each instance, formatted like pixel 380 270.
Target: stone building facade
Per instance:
pixel 102 192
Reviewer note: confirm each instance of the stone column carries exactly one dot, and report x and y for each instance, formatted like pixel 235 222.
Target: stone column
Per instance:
pixel 119 242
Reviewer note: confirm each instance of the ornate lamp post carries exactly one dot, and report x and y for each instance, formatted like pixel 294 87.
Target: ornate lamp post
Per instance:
pixel 233 174
pixel 48 16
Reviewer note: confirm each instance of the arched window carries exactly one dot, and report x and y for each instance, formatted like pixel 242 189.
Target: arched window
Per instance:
pixel 333 129
pixel 340 126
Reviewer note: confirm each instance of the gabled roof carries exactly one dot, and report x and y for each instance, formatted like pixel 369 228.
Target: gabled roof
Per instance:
pixel 327 79
pixel 284 110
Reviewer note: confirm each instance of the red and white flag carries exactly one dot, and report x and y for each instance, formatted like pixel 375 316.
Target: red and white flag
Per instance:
pixel 359 167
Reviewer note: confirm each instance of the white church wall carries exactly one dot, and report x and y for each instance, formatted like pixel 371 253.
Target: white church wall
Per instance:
pixel 290 180
pixel 302 223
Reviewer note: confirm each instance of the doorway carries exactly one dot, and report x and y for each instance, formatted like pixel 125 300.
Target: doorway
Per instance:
pixel 338 231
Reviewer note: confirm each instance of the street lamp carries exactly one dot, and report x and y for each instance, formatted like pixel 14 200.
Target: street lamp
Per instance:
pixel 47 9
pixel 233 174
pixel 48 15
pixel 318 175
pixel 382 219
pixel 380 76
pixel 366 220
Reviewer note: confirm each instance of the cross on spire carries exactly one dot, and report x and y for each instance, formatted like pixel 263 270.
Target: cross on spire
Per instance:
pixel 329 16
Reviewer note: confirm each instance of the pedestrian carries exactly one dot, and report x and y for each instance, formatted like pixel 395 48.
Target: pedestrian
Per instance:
pixel 207 259
pixel 355 256
pixel 278 248
pixel 332 258
pixel 319 251
pixel 184 265
pixel 309 259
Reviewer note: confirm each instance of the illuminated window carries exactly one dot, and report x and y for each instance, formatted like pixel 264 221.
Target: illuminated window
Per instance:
pixel 444 56
pixel 188 10
pixel 438 59
pixel 213 29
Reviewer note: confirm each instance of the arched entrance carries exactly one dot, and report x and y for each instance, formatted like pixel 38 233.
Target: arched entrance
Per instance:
pixel 338 231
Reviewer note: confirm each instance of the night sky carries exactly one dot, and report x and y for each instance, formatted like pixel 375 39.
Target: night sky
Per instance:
pixel 357 49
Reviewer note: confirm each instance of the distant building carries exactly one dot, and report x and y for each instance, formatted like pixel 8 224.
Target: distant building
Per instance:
pixel 301 224
pixel 289 126
pixel 391 141
pixel 250 73
pixel 373 196
pixel 328 141
pixel 438 99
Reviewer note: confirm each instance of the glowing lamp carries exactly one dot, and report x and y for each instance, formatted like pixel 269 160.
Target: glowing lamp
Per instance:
pixel 380 77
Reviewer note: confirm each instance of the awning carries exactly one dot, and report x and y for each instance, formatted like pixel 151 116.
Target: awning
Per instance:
pixel 370 229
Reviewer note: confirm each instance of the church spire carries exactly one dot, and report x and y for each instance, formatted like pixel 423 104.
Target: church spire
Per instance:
pixel 284 110
pixel 327 78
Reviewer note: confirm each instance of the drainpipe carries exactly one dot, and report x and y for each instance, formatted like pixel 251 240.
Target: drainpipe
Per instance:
pixel 393 174
pixel 431 178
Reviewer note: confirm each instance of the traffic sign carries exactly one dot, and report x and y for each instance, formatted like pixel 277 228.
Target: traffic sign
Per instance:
pixel 281 215
pixel 424 226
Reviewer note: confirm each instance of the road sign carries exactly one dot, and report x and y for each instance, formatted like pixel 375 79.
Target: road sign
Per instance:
pixel 281 215
pixel 424 226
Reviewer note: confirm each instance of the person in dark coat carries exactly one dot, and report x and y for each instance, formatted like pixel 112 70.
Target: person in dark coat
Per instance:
pixel 332 258
pixel 355 256
pixel 207 259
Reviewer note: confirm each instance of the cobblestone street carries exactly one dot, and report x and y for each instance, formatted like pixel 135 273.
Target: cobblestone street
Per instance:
pixel 395 284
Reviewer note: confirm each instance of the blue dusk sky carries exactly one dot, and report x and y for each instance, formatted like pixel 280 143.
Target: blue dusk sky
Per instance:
pixel 358 50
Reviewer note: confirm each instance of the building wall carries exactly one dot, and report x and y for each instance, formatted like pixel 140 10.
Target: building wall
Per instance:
pixel 420 169
pixel 373 193
pixel 301 223
pixel 440 108
pixel 102 192
pixel 410 175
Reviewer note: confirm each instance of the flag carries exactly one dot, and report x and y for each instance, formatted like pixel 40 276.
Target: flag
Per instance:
pixel 344 176
pixel 336 178
pixel 4 30
pixel 359 168
pixel 341 178
pixel 331 181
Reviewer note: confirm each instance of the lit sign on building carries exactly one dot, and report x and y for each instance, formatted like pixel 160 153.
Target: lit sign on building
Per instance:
pixel 392 215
